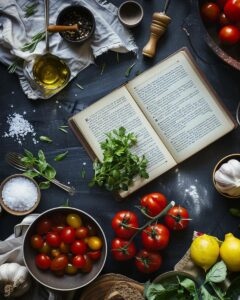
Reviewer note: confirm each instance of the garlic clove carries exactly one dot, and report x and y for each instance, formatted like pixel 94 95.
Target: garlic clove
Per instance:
pixel 223 180
pixel 227 169
pixel 235 164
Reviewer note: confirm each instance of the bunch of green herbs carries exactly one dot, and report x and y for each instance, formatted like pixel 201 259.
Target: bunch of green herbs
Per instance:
pixel 186 289
pixel 31 46
pixel 30 9
pixel 38 166
pixel 120 166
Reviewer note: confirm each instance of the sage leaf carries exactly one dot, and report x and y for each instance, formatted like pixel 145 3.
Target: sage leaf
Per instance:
pixel 128 72
pixel 44 185
pixel 61 156
pixel 217 273
pixel 235 212
pixel 44 138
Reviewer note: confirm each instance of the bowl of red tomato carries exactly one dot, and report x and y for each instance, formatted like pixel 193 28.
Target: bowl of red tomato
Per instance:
pixel 222 21
pixel 65 249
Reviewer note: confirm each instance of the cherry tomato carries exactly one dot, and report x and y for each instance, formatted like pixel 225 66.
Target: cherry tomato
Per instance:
pixel 122 223
pixel 79 261
pixel 148 262
pixel 45 249
pixel 221 3
pixel 68 235
pixel 64 248
pixel 94 243
pixel 79 247
pixel 55 253
pixel 36 241
pixel 43 261
pixel 210 12
pixel 59 219
pixel 87 268
pixel 59 263
pixel 229 35
pixel 153 203
pixel 121 250
pixel 223 19
pixel 155 237
pixel 71 269
pixel 53 239
pixel 81 232
pixel 43 226
pixel 177 218
pixel 232 10
pixel 94 255
pixel 74 220
pixel 58 229
pixel 91 229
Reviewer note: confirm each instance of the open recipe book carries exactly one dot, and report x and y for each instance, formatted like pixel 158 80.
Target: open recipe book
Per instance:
pixel 171 109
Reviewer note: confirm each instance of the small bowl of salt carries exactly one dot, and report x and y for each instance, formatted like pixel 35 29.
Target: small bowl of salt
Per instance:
pixel 19 195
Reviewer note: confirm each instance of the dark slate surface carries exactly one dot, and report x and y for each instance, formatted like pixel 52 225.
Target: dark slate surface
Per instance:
pixel 208 209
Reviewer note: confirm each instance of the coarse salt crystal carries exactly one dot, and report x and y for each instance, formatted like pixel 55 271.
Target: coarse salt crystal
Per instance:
pixel 19 194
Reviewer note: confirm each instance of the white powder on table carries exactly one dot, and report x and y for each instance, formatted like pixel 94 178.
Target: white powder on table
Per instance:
pixel 19 194
pixel 19 127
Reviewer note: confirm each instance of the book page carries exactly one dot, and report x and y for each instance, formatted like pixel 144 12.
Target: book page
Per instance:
pixel 180 106
pixel 116 110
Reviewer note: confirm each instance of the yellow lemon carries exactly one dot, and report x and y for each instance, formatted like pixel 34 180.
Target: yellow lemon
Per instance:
pixel 230 252
pixel 204 251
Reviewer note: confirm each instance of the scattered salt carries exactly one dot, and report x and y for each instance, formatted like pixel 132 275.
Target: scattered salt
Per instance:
pixel 11 106
pixel 192 192
pixel 19 194
pixel 19 128
pixel 75 95
pixel 59 106
pixel 24 112
pixel 84 163
pixel 13 92
pixel 68 182
pixel 57 101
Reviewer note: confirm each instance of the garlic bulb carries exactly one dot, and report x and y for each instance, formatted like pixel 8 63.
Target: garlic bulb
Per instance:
pixel 227 178
pixel 14 279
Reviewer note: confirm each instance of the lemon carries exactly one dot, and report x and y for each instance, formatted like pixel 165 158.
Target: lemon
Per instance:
pixel 230 252
pixel 204 251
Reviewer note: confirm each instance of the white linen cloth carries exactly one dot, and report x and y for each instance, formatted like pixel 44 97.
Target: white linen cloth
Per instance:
pixel 16 30
pixel 11 251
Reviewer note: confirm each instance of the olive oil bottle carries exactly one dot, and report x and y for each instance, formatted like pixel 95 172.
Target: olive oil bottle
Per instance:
pixel 50 72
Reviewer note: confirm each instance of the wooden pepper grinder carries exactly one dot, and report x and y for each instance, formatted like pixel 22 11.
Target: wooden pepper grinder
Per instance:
pixel 158 27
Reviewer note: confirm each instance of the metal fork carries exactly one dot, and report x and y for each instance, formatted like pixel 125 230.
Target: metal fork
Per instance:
pixel 14 160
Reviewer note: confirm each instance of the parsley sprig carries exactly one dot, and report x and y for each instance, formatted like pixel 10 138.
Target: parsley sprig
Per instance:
pixel 120 166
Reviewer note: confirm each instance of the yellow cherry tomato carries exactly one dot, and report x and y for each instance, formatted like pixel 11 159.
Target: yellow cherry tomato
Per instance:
pixel 74 220
pixel 94 243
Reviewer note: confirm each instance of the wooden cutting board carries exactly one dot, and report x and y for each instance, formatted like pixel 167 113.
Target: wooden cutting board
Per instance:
pixel 98 289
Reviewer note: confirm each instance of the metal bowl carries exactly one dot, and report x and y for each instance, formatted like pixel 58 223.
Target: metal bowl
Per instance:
pixel 66 282
pixel 63 18
pixel 230 55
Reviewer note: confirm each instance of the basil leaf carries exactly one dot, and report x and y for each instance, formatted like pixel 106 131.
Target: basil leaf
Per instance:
pixel 44 185
pixel 61 156
pixel 45 139
pixel 218 291
pixel 31 173
pixel 28 154
pixel 235 212
pixel 50 172
pixel 206 295
pixel 190 286
pixel 41 156
pixel 217 273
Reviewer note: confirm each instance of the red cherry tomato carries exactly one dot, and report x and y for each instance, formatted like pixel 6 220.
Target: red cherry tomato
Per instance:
pixel 87 268
pixel 79 261
pixel 153 203
pixel 68 235
pixel 36 241
pixel 58 228
pixel 210 12
pixel 43 226
pixel 229 35
pixel 155 237
pixel 121 250
pixel 177 218
pixel 79 247
pixel 223 19
pixel 122 223
pixel 81 232
pixel 64 248
pixel 148 262
pixel 45 248
pixel 59 263
pixel 53 239
pixel 43 261
pixel 221 3
pixel 232 10
pixel 94 255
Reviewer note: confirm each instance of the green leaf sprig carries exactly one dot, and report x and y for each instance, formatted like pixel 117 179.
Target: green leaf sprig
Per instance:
pixel 31 46
pixel 120 166
pixel 30 9
pixel 18 62
pixel 61 156
pixel 38 166
pixel 45 139
pixel 129 70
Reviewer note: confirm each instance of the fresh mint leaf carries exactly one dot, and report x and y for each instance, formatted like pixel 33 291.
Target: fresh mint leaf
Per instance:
pixel 61 156
pixel 217 273
pixel 44 185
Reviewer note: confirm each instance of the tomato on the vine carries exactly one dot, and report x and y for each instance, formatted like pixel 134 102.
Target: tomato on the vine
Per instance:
pixel 210 12
pixel 36 241
pixel 43 261
pixel 68 235
pixel 232 10
pixel 79 247
pixel 122 250
pixel 53 239
pixel 153 203
pixel 229 35
pixel 155 237
pixel 177 218
pixel 59 263
pixel 148 262
pixel 124 223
